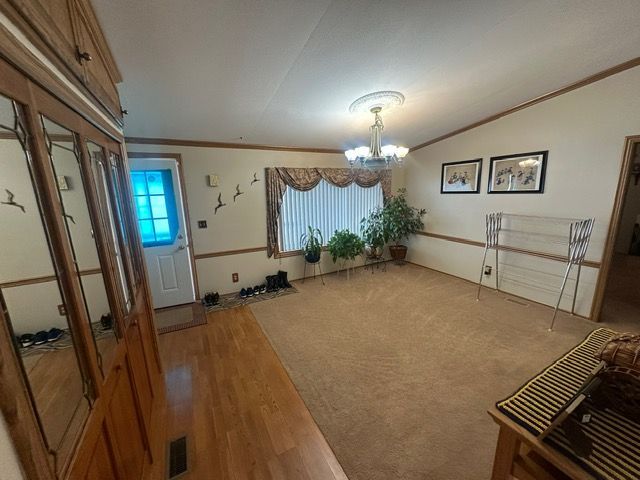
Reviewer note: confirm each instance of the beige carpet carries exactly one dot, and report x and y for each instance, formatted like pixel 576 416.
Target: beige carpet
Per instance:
pixel 399 368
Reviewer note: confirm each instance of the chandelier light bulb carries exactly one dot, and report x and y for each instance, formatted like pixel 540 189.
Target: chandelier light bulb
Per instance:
pixel 351 155
pixel 362 151
pixel 401 152
pixel 388 150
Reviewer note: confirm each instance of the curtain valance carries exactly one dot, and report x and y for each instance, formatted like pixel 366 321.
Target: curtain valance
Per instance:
pixel 303 179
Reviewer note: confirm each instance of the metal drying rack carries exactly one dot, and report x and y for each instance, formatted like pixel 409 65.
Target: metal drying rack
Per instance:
pixel 576 241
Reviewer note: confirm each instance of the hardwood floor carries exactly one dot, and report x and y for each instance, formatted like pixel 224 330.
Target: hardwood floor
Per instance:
pixel 229 393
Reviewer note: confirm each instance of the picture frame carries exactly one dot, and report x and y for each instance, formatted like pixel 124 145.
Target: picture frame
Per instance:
pixel 461 177
pixel 518 173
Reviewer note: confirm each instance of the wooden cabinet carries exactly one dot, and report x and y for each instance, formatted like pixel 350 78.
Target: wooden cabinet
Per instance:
pixel 110 362
pixel 69 32
pixel 98 73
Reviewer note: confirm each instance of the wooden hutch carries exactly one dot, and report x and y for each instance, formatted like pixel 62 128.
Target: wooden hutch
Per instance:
pixel 82 406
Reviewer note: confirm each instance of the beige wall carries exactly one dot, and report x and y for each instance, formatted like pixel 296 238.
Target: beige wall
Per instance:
pixel 584 132
pixel 9 464
pixel 241 224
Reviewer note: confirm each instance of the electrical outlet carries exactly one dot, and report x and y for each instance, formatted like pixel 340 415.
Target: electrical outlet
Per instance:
pixel 62 310
pixel 202 224
pixel 487 269
pixel 234 277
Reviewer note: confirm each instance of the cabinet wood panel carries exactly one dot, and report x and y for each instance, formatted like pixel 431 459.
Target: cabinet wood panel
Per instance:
pixel 127 433
pixel 102 465
pixel 96 72
pixel 53 22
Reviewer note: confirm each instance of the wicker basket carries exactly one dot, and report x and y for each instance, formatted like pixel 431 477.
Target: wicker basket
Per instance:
pixel 622 351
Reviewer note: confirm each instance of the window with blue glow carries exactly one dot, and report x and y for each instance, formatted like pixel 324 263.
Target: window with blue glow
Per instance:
pixel 155 206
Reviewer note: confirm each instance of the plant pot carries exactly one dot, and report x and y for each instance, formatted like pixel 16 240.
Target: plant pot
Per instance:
pixel 398 252
pixel 312 257
pixel 373 252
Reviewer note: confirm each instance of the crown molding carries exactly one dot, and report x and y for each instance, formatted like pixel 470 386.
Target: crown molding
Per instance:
pixel 534 101
pixel 242 146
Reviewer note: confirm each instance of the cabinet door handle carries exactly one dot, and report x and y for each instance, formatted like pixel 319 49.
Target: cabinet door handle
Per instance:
pixel 83 56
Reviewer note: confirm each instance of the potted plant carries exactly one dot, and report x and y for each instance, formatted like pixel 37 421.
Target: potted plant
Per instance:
pixel 374 233
pixel 401 220
pixel 311 243
pixel 345 245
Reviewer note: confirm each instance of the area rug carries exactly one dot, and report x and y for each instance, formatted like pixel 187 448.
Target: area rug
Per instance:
pixel 233 300
pixel 399 368
pixel 616 441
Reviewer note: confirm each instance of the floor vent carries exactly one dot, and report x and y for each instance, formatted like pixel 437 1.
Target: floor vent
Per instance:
pixel 177 457
pixel 517 302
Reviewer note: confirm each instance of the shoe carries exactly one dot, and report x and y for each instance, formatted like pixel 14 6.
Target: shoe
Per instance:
pixel 26 340
pixel 263 288
pixel 270 285
pixel 54 334
pixel 106 321
pixel 210 299
pixel 243 293
pixel 256 290
pixel 283 279
pixel 40 338
pixel 216 298
pixel 249 292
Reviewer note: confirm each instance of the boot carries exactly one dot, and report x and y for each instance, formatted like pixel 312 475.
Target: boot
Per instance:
pixel 283 279
pixel 270 285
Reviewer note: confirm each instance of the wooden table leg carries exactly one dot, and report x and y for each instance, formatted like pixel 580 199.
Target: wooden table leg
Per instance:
pixel 506 452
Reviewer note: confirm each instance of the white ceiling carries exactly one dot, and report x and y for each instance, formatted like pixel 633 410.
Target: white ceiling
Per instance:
pixel 283 72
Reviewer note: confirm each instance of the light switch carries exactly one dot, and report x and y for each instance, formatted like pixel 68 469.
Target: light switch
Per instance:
pixel 213 180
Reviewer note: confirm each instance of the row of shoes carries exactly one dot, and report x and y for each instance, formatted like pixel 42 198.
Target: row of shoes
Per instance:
pixel 274 283
pixel 210 299
pixel 40 338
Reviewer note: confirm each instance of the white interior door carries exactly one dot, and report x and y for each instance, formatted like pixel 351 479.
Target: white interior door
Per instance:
pixel 160 210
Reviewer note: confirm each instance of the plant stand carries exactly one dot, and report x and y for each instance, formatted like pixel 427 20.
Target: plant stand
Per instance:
pixel 371 261
pixel 313 265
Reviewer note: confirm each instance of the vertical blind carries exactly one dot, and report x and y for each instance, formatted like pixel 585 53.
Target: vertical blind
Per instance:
pixel 326 207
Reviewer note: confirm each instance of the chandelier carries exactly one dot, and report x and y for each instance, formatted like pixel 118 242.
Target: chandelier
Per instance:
pixel 376 155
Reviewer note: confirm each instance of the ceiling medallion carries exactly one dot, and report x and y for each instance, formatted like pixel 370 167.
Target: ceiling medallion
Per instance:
pixel 383 100
pixel 376 155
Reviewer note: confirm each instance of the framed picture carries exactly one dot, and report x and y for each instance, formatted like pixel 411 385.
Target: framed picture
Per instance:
pixel 518 173
pixel 461 177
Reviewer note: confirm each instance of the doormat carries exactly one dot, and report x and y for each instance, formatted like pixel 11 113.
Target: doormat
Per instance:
pixel 178 318
pixel 232 300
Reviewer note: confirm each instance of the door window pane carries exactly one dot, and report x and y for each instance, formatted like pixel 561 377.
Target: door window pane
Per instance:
pixel 64 154
pixel 155 199
pixel 31 297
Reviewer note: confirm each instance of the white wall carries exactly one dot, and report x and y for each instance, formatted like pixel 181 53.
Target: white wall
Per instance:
pixel 9 463
pixel 584 131
pixel 241 224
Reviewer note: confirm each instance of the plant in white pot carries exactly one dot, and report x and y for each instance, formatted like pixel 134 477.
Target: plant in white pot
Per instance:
pixel 400 221
pixel 374 233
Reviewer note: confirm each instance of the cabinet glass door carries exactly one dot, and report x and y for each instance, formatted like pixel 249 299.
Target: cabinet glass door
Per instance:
pixel 64 155
pixel 32 298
